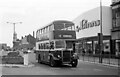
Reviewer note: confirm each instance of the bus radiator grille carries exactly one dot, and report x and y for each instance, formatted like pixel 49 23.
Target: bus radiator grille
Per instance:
pixel 66 56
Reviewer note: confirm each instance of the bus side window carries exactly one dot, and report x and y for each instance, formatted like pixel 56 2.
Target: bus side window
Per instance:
pixel 39 46
pixel 47 45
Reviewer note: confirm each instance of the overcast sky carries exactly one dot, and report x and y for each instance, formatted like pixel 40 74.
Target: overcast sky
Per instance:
pixel 37 13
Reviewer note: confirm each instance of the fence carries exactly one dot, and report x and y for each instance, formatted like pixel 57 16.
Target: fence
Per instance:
pixel 106 58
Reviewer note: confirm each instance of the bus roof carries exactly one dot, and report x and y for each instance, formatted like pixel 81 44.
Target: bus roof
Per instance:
pixel 62 21
pixel 56 22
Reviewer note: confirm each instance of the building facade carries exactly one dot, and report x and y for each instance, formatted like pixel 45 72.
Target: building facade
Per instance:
pixel 88 27
pixel 15 40
pixel 27 42
pixel 3 46
pixel 116 25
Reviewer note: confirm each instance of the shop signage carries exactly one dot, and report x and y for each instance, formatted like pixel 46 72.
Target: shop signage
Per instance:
pixel 84 24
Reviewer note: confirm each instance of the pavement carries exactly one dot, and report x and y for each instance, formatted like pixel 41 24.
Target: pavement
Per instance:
pixel 16 65
pixel 106 61
pixel 103 64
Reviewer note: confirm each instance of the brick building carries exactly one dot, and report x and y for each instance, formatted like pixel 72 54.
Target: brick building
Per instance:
pixel 26 42
pixel 115 31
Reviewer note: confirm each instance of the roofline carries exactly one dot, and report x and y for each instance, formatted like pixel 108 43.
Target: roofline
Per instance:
pixel 53 22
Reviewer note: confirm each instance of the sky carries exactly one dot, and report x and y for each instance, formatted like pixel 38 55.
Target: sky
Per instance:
pixel 35 14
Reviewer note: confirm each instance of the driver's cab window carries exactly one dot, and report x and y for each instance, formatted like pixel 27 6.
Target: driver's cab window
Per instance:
pixel 69 45
pixel 59 44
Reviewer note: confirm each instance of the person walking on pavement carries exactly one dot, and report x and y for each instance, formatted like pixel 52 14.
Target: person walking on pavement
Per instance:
pixel 83 52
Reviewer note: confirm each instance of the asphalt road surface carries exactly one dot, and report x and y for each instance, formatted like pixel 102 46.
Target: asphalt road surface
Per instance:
pixel 83 68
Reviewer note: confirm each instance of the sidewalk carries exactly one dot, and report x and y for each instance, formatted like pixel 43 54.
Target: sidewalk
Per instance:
pixel 106 61
pixel 101 63
pixel 16 65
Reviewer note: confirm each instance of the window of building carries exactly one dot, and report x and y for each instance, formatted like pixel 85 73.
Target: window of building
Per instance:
pixel 118 22
pixel 117 19
pixel 114 23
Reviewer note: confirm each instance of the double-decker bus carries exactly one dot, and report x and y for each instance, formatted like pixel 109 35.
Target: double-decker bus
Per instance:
pixel 56 44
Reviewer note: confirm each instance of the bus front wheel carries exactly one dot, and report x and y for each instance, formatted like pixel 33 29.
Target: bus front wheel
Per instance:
pixel 74 63
pixel 52 62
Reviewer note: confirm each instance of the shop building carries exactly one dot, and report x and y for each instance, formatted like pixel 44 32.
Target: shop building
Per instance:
pixel 88 28
pixel 115 31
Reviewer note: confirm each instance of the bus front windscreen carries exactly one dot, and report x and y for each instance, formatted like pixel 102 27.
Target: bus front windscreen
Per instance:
pixel 59 44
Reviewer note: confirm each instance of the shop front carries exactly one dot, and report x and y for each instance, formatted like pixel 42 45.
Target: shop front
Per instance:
pixel 116 42
pixel 115 31
pixel 91 45
pixel 88 29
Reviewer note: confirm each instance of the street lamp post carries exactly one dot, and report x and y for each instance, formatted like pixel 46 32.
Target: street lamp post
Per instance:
pixel 14 34
pixel 14 23
pixel 101 34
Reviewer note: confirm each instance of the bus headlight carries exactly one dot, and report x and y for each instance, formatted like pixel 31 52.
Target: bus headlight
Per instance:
pixel 58 56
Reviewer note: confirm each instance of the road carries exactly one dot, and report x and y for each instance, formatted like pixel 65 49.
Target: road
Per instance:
pixel 84 68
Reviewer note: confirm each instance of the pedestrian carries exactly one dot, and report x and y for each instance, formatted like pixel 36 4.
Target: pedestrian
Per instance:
pixel 83 52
